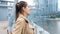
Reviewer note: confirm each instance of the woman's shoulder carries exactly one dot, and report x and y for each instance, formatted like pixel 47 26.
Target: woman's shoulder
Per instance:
pixel 19 20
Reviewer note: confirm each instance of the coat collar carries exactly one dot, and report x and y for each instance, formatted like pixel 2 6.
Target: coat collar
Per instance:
pixel 26 20
pixel 23 17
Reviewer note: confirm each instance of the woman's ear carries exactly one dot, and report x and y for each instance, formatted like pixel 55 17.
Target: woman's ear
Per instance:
pixel 23 8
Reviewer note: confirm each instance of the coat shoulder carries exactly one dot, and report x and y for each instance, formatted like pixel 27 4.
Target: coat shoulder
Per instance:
pixel 20 19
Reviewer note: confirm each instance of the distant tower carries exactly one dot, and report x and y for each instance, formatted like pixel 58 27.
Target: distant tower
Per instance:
pixel 50 6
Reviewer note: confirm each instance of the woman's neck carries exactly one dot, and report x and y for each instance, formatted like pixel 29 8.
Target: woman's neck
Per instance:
pixel 24 14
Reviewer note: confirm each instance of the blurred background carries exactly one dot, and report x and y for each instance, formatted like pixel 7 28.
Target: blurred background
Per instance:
pixel 45 15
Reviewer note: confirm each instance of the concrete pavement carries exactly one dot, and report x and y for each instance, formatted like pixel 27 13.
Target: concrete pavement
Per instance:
pixel 3 27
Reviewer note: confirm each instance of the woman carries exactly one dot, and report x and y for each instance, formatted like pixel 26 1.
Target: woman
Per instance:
pixel 22 25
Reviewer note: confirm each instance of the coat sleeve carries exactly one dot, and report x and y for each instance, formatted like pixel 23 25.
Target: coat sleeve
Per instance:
pixel 18 26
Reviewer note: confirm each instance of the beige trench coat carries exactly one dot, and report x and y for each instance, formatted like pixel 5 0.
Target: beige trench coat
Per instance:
pixel 22 26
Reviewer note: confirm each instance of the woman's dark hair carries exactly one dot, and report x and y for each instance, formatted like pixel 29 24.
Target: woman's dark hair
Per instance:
pixel 19 7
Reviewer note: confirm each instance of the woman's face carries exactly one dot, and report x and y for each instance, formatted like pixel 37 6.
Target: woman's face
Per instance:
pixel 27 10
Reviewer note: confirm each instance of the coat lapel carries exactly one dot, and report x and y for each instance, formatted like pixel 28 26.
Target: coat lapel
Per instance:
pixel 27 21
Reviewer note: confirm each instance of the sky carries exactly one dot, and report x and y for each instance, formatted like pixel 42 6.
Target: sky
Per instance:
pixel 58 5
